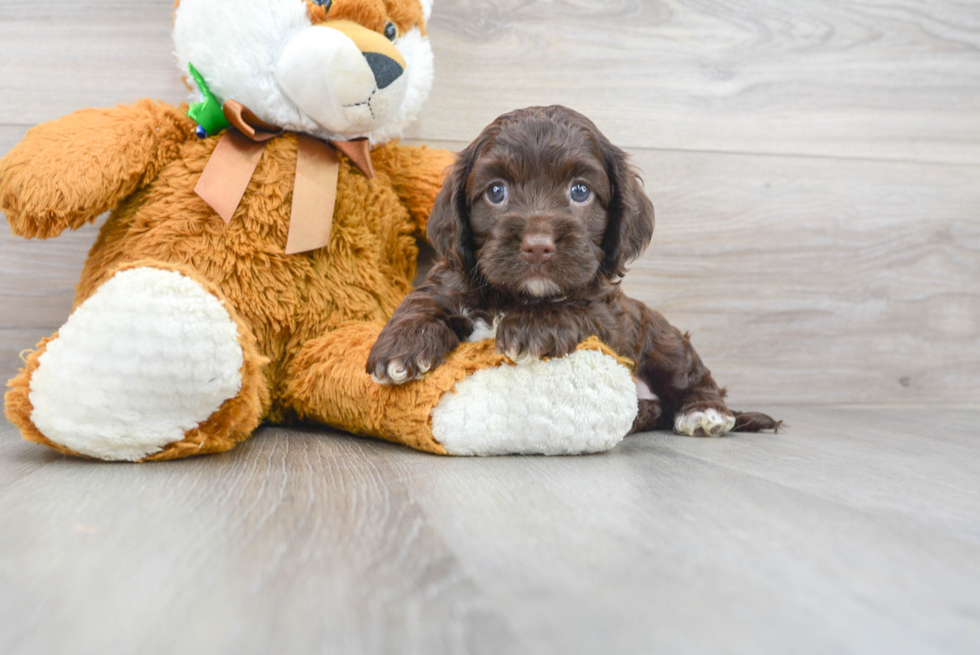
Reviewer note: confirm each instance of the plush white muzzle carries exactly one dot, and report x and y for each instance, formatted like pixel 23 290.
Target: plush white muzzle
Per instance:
pixel 325 73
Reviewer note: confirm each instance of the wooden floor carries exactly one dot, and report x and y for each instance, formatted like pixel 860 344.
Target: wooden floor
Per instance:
pixel 816 171
pixel 855 531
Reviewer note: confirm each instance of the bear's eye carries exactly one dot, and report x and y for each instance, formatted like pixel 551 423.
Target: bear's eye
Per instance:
pixel 391 32
pixel 497 193
pixel 323 3
pixel 580 193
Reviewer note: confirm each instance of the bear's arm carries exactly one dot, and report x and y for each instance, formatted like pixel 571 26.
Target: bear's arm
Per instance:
pixel 417 173
pixel 66 173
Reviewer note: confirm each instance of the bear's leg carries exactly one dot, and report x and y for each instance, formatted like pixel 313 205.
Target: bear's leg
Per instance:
pixel 153 365
pixel 475 403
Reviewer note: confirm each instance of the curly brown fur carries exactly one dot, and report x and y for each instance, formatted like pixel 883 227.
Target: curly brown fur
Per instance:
pixel 533 230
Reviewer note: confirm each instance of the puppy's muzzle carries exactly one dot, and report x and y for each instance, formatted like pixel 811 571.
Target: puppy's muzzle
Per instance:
pixel 538 248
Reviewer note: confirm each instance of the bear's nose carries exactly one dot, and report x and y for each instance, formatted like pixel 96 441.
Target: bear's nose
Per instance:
pixel 386 70
pixel 538 248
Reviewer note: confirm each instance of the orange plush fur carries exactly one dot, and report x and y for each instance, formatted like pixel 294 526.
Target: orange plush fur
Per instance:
pixel 329 375
pixel 143 161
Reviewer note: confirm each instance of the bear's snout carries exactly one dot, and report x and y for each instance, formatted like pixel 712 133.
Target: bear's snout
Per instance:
pixel 346 77
pixel 386 70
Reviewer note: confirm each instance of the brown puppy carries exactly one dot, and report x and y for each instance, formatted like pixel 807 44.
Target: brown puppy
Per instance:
pixel 533 230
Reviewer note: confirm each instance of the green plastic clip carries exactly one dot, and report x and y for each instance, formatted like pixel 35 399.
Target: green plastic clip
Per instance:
pixel 207 113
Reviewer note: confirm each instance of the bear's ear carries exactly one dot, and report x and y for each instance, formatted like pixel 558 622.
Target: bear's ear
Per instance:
pixel 631 218
pixel 448 229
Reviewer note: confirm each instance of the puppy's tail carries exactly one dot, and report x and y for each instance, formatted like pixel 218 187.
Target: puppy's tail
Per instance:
pixel 755 422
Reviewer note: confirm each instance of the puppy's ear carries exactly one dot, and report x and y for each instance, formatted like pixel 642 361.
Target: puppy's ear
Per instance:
pixel 448 229
pixel 630 212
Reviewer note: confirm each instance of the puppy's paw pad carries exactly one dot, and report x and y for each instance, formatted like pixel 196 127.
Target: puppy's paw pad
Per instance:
pixel 704 423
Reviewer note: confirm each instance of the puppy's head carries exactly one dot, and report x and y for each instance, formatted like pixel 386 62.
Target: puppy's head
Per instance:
pixel 540 205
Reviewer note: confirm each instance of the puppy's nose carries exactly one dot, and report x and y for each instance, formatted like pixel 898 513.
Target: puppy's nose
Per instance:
pixel 538 248
pixel 386 70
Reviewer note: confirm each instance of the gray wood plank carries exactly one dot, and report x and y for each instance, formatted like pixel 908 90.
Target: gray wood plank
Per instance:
pixel 674 556
pixel 886 461
pixel 59 57
pixel 813 280
pixel 39 277
pixel 102 558
pixel 892 79
pixel 853 531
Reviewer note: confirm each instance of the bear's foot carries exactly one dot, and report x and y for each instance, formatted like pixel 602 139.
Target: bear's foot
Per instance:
pixel 152 365
pixel 584 402
pixel 476 403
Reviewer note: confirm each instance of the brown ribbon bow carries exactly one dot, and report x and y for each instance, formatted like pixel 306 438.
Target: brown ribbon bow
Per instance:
pixel 228 172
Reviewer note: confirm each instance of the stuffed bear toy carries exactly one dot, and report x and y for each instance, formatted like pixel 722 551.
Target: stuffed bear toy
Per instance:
pixel 258 240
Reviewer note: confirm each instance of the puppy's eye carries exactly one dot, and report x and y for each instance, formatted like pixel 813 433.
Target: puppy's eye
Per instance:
pixel 579 193
pixel 323 3
pixel 497 193
pixel 391 32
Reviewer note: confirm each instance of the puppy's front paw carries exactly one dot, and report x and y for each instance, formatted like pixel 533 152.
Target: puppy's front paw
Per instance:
pixel 526 340
pixel 704 423
pixel 407 351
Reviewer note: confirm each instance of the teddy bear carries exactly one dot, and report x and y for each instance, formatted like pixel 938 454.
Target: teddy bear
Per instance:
pixel 258 239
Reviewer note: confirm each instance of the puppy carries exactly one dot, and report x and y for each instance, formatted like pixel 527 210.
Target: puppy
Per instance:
pixel 533 230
